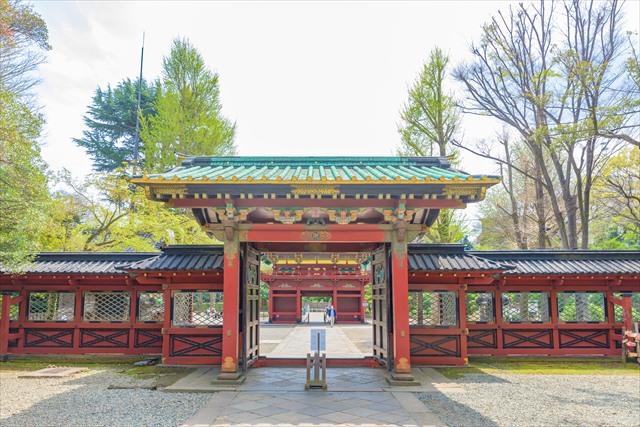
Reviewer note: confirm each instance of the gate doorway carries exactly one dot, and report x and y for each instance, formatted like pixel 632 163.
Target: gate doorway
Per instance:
pixel 314 307
pixel 301 286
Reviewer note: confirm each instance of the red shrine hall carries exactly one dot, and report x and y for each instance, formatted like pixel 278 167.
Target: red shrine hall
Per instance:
pixel 337 229
pixel 340 278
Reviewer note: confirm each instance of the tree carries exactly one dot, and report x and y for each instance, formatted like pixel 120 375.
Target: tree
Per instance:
pixel 430 119
pixel 617 208
pixel 24 197
pixel 189 119
pixel 509 213
pixel 554 81
pixel 106 213
pixel 24 39
pixel 111 122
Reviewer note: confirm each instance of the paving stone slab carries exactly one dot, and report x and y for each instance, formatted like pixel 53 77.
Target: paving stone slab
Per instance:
pixel 53 373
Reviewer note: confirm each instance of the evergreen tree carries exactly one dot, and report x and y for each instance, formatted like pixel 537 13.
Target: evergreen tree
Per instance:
pixel 111 123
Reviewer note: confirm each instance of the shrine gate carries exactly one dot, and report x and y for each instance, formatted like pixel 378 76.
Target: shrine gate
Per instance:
pixel 431 304
pixel 316 204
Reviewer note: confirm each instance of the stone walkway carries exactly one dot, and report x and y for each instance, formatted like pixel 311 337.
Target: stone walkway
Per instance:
pixel 350 341
pixel 296 343
pixel 276 397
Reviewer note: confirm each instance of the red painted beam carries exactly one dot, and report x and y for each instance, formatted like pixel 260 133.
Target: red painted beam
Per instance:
pixel 303 233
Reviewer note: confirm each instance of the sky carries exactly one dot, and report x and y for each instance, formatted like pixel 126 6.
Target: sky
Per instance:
pixel 298 78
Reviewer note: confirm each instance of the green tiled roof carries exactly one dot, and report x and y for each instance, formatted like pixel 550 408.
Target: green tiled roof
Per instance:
pixel 315 169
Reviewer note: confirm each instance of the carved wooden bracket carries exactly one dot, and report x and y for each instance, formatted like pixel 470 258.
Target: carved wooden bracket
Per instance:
pixel 400 227
pixel 229 226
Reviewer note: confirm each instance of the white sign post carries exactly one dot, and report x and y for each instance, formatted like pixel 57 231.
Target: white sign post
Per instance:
pixel 318 343
pixel 318 340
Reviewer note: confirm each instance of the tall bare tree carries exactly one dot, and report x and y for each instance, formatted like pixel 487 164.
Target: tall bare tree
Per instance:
pixel 552 75
pixel 24 41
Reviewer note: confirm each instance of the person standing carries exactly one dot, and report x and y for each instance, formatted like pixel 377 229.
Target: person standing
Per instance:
pixel 332 315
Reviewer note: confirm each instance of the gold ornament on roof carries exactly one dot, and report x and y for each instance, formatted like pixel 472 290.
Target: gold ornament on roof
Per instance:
pixel 314 190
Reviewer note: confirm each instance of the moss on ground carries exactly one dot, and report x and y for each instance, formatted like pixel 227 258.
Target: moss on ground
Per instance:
pixel 543 366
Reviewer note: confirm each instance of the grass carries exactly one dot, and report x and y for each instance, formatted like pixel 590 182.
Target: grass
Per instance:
pixel 163 375
pixel 543 366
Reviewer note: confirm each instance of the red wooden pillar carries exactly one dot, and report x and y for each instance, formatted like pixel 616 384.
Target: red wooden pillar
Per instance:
pixel 462 320
pixel 555 318
pixel 78 317
pixel 361 302
pixel 298 306
pixel 230 321
pixel 400 289
pixel 5 322
pixel 4 325
pixel 627 318
pixel 498 307
pixel 133 311
pixel 166 322
pixel 270 311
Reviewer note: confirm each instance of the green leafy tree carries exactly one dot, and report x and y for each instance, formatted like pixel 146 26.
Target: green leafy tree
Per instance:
pixel 430 119
pixel 109 138
pixel 24 197
pixel 189 118
pixel 617 209
pixel 106 213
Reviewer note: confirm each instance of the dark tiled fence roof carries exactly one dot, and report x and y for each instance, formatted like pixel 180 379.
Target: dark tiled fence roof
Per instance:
pixel 421 258
pixel 565 262
pixel 447 258
pixel 183 258
pixel 83 262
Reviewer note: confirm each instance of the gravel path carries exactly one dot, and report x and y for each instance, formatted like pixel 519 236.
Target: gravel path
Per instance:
pixel 84 400
pixel 539 400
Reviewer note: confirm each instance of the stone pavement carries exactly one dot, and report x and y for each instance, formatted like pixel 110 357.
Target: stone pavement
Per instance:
pixel 276 397
pixel 296 343
pixel 350 341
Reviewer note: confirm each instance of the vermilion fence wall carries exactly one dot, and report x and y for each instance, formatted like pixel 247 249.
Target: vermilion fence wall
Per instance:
pixel 459 305
pixel 34 329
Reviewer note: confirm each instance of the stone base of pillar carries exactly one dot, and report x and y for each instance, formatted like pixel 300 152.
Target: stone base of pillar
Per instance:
pixel 229 378
pixel 402 380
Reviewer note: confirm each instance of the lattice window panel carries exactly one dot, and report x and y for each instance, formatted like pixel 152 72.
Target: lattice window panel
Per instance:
pixel 525 307
pixel 106 306
pixel 150 307
pixel 480 307
pixel 51 306
pixel 635 307
pixel 197 309
pixel 433 308
pixel 581 307
pixel 14 309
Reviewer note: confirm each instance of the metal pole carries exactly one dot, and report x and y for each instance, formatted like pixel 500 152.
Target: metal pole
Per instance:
pixel 136 141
